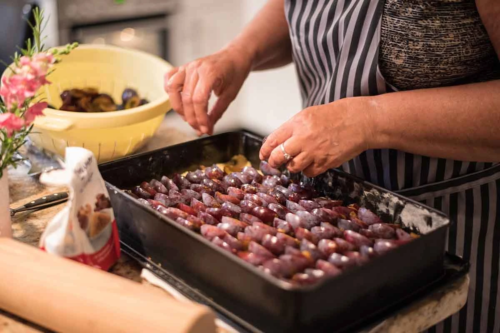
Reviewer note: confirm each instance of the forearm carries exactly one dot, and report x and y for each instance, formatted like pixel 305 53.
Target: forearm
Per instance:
pixel 266 39
pixel 460 122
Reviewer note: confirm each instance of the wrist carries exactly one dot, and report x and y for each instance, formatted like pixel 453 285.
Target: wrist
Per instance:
pixel 376 121
pixel 242 53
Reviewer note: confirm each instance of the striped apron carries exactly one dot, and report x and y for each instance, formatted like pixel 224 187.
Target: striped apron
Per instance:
pixel 336 53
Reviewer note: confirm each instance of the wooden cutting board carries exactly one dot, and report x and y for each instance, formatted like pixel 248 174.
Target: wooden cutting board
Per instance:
pixel 66 296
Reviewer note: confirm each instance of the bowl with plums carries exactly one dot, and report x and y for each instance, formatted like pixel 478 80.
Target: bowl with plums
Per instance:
pixel 106 99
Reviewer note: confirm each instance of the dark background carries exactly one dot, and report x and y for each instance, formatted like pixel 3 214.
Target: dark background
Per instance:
pixel 14 28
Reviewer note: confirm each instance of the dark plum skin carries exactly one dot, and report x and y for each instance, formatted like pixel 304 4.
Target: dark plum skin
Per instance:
pixel 252 258
pixel 267 199
pixel 279 268
pixel 348 225
pixel 302 233
pixel 309 277
pixel 181 182
pixel 196 176
pixel 187 209
pixel 249 189
pixel 210 232
pixel 210 201
pixel 275 221
pixel 248 218
pixel 327 246
pixel 235 209
pixel 155 204
pixel 311 250
pixel 191 194
pixel 273 244
pixel 223 245
pixel 309 204
pixel 278 196
pixel 357 239
pixel 142 193
pixel 213 184
pixel 278 209
pixel 231 226
pixel 207 218
pixel 328 268
pixel 283 226
pixel 235 192
pixel 265 214
pixel 247 206
pixel 271 181
pixel 381 230
pixel 367 216
pixel 254 198
pixel 202 189
pixel 343 245
pixel 268 170
pixel 260 250
pixel 198 205
pixel 293 206
pixel 214 172
pixel 231 181
pixel 254 173
pixel 169 183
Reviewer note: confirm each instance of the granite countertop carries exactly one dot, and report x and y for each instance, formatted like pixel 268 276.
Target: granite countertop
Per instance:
pixel 28 227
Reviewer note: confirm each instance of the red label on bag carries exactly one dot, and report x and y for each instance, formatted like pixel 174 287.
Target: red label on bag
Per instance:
pixel 106 257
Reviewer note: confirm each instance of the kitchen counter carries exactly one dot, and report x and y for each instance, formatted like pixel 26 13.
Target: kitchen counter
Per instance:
pixel 28 227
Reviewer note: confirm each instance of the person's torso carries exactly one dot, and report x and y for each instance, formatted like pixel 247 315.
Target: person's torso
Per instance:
pixel 346 48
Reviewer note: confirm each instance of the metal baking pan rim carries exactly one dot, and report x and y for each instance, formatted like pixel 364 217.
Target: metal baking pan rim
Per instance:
pixel 137 155
pixel 260 138
pixel 435 285
pixel 275 281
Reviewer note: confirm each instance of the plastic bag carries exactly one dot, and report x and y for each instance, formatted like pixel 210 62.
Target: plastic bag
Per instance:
pixel 85 230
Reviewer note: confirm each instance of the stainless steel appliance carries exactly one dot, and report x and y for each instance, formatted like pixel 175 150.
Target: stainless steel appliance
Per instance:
pixel 136 24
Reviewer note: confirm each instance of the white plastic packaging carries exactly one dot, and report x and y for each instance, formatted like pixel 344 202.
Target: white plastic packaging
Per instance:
pixel 85 230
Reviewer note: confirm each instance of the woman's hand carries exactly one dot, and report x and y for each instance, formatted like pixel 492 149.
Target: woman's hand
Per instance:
pixel 190 86
pixel 322 137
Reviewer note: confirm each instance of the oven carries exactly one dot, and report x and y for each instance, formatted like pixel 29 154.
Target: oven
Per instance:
pixel 136 24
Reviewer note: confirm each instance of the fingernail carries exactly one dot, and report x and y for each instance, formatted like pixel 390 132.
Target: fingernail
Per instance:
pixel 204 129
pixel 199 133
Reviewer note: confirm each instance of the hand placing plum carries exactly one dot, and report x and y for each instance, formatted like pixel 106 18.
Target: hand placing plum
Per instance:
pixel 322 137
pixel 280 226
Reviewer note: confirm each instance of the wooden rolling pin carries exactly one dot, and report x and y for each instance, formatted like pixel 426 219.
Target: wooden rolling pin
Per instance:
pixel 66 296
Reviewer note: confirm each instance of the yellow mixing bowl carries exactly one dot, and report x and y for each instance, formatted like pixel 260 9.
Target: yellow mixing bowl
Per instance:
pixel 109 135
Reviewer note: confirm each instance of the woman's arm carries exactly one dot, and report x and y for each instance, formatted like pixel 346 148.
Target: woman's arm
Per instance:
pixel 266 38
pixel 264 43
pixel 460 122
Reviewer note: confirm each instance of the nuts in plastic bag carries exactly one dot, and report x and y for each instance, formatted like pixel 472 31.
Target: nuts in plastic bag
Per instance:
pixel 85 230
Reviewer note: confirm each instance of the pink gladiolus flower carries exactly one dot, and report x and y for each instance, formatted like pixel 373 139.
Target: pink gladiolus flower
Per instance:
pixel 36 67
pixel 12 95
pixel 10 122
pixel 34 111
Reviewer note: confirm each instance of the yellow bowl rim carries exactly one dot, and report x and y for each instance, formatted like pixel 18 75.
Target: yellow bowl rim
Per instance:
pixel 103 115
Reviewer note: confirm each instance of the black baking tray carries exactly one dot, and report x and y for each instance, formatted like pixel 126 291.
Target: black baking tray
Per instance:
pixel 455 268
pixel 266 303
